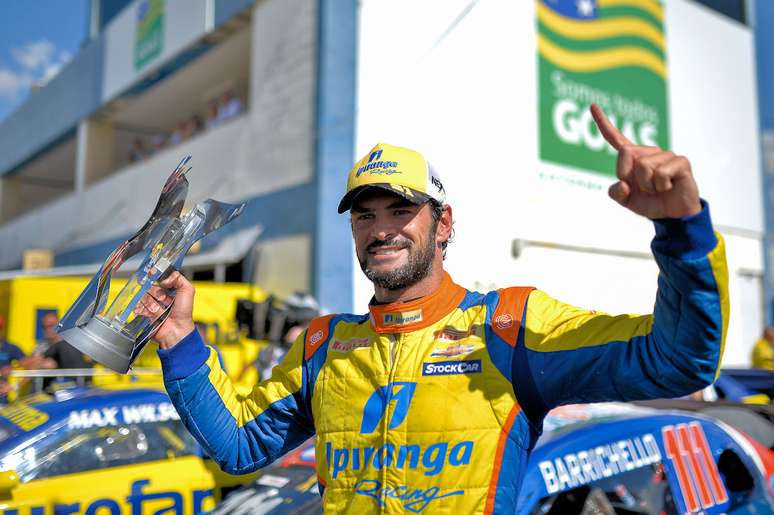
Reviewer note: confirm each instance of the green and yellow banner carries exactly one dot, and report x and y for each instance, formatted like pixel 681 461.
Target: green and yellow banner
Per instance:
pixel 149 32
pixel 609 52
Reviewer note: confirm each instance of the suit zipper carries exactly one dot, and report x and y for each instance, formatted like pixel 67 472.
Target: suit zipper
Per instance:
pixel 393 343
pixel 394 355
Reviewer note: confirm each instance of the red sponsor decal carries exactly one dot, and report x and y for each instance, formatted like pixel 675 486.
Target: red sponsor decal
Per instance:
pixel 451 334
pixel 504 321
pixel 348 345
pixel 316 337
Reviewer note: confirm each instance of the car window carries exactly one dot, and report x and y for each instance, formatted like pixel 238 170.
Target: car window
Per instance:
pixel 643 490
pixel 6 432
pixel 105 447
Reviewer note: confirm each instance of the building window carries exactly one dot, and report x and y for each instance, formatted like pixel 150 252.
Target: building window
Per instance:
pixel 735 9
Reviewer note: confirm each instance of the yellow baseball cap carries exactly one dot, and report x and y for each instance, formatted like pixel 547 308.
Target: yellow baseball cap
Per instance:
pixel 398 170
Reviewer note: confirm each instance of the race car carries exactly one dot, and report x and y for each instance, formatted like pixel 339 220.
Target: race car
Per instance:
pixel 89 450
pixel 597 458
pixel 745 385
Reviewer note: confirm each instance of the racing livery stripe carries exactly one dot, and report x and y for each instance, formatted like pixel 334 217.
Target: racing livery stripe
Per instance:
pixel 719 266
pixel 552 326
pixel 238 449
pixel 246 408
pixel 490 497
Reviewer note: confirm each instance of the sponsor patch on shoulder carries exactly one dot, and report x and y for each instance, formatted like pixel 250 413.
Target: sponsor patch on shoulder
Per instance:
pixel 452 351
pixel 349 345
pixel 445 368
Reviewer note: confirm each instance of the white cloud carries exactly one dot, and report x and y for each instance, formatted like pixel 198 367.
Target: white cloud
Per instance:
pixel 36 62
pixel 11 84
pixel 34 56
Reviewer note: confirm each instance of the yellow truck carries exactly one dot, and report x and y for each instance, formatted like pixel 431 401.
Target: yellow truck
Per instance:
pixel 25 299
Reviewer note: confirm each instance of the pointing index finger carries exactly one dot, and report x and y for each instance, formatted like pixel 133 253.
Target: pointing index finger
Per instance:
pixel 608 130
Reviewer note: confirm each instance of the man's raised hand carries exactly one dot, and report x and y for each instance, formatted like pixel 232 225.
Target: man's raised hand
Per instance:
pixel 651 182
pixel 180 320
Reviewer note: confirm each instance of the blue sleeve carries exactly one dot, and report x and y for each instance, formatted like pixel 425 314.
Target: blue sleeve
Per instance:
pixel 16 352
pixel 241 432
pixel 571 355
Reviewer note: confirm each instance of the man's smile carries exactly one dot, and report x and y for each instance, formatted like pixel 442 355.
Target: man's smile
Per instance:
pixel 386 253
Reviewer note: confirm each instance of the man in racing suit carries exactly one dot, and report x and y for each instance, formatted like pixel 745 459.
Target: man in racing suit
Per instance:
pixel 433 400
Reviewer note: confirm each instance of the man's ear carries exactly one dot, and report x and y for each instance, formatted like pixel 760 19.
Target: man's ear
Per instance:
pixel 444 229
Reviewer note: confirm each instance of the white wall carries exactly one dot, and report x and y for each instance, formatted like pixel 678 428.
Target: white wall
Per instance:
pixel 459 84
pixel 714 109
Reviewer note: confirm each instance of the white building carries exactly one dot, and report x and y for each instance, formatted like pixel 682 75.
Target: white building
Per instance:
pixel 480 87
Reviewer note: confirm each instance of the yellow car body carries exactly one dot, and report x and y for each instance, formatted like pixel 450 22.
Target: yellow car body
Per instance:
pixel 99 452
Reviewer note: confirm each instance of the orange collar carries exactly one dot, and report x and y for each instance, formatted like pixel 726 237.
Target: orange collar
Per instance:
pixel 402 317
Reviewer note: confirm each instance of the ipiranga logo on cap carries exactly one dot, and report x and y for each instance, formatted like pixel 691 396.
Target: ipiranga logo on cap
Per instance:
pixel 404 318
pixel 376 166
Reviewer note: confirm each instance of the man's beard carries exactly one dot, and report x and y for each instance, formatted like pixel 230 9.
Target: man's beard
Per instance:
pixel 419 265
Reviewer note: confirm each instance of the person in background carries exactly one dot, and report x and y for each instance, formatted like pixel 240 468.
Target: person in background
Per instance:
pixel 158 142
pixel 212 115
pixel 52 352
pixel 59 353
pixel 137 153
pixel 48 324
pixel 178 134
pixel 763 351
pixel 229 107
pixel 195 126
pixel 300 309
pixel 274 352
pixel 9 353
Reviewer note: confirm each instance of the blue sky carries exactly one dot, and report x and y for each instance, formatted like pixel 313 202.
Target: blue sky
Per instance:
pixel 36 39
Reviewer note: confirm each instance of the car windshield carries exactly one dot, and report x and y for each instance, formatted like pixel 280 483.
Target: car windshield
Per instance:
pixel 644 490
pixel 58 451
pixel 7 431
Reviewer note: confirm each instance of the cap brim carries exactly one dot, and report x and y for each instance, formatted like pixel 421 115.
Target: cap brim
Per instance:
pixel 413 196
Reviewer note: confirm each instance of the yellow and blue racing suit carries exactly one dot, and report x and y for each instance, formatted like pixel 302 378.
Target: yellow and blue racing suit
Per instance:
pixel 434 405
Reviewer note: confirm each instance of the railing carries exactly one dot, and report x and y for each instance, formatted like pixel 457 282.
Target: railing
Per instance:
pixel 79 376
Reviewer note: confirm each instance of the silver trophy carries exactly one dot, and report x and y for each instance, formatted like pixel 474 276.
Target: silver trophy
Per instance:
pixel 113 335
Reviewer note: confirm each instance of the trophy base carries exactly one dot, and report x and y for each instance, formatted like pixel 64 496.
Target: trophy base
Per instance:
pixel 102 343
